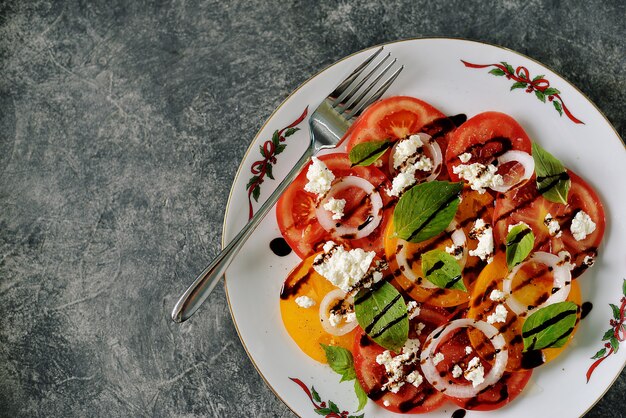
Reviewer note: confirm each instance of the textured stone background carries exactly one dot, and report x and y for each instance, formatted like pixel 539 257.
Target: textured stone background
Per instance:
pixel 122 124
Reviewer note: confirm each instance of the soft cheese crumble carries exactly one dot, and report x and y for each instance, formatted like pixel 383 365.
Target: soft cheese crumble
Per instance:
pixel 336 206
pixel 497 295
pixel 319 176
pixel 554 228
pixel 582 225
pixel 479 176
pixel 484 233
pixel 405 149
pixel 394 366
pixel 475 372
pixel 305 302
pixel 344 268
pixel 499 315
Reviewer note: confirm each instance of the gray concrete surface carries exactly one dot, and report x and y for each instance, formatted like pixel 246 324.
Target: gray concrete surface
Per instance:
pixel 122 124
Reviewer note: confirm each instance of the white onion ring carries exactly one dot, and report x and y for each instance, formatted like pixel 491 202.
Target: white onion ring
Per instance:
pixel 325 305
pixel 454 389
pixel 329 224
pixel 521 157
pixel 434 152
pixel 458 239
pixel 562 280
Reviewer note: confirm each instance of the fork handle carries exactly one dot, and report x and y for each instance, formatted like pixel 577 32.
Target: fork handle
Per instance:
pixel 200 289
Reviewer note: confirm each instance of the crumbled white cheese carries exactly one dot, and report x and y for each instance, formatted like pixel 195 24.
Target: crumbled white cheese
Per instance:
pixel 518 224
pixel 386 402
pixel 475 372
pixel 305 302
pixel 479 176
pixel 415 378
pixel 336 318
pixel 554 228
pixel 394 366
pixel 413 309
pixel 319 176
pixel 336 206
pixel 468 350
pixel 484 233
pixel 497 295
pixel 438 358
pixel 589 261
pixel 402 181
pixel 499 315
pixel 457 371
pixel 420 328
pixel 405 149
pixel 582 225
pixel 465 157
pixel 455 251
pixel 378 163
pixel 343 268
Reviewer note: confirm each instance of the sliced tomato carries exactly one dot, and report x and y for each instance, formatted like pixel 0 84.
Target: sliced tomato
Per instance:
pixel 297 219
pixel 532 285
pixel 486 136
pixel 504 391
pixel 371 375
pixel 398 117
pixel 525 204
pixel 303 324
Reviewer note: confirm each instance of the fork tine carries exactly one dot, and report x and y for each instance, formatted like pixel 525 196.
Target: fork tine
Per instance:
pixel 351 90
pixel 377 95
pixel 356 99
pixel 357 71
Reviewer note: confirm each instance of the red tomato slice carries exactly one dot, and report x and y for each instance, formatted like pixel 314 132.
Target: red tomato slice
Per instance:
pixel 371 375
pixel 525 204
pixel 396 118
pixel 486 136
pixel 295 210
pixel 504 391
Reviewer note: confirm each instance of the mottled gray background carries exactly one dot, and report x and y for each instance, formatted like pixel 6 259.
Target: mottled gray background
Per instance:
pixel 122 124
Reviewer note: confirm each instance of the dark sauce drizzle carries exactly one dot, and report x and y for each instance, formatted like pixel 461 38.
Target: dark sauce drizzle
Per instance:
pixel 585 309
pixel 280 247
pixel 459 413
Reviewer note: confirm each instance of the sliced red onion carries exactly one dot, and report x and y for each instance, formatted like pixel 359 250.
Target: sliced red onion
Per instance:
pixel 562 281
pixel 521 157
pixel 329 300
pixel 432 151
pixel 329 224
pixel 458 390
pixel 457 235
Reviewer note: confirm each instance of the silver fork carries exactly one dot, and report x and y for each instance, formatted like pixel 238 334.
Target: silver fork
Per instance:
pixel 328 124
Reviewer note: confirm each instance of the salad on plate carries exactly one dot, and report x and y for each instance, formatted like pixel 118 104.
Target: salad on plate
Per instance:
pixel 440 257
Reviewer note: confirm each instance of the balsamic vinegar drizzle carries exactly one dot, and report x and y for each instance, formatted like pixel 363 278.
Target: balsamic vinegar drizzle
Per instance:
pixel 459 413
pixel 556 179
pixel 432 216
pixel 280 247
pixel 585 309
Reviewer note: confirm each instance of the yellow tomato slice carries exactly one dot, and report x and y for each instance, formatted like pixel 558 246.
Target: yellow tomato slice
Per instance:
pixel 527 292
pixel 303 324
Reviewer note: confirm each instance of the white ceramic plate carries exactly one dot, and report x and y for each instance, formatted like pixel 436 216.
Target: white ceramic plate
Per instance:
pixel 434 72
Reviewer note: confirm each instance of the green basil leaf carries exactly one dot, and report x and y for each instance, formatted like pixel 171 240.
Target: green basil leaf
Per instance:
pixel 381 312
pixel 360 395
pixel 442 270
pixel 552 179
pixel 367 153
pixel 426 210
pixel 519 243
pixel 340 360
pixel 550 326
